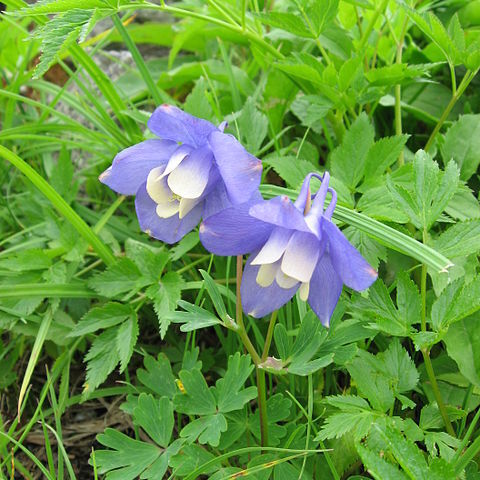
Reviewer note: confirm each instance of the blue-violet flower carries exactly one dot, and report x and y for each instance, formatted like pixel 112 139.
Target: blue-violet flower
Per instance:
pixel 293 246
pixel 194 170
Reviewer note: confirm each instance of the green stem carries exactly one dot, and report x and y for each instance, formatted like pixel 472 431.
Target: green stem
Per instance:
pixel 426 351
pixel 137 57
pixel 457 457
pixel 469 455
pixel 371 24
pixel 61 205
pixel 469 75
pixel 268 339
pixel 262 406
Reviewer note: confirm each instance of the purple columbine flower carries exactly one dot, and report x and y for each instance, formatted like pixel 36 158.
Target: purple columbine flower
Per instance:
pixel 192 171
pixel 293 246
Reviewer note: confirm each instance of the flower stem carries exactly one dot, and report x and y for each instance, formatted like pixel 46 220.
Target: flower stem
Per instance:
pixel 426 352
pixel 268 339
pixel 262 406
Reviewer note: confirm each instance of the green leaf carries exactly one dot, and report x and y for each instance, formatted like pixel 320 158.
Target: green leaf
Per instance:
pixel 282 341
pixel 59 6
pixel 207 429
pixel 383 154
pixel 278 410
pixel 158 376
pixel 108 315
pixel 320 13
pixel 394 74
pixel 189 459
pixel 349 159
pixel 371 382
pixel 432 190
pixel 149 260
pixel 311 109
pixel 462 144
pixel 198 399
pixel 127 335
pixel 28 260
pixel 230 394
pixel 60 32
pixel 406 453
pixel 371 250
pixel 289 22
pixel 197 103
pixel 463 345
pixel 400 367
pixel 155 416
pixel 459 240
pixel 356 421
pixel 409 302
pixel 101 359
pixel 290 169
pixel 253 126
pixel 194 318
pixel 123 276
pixel 378 467
pixel 215 295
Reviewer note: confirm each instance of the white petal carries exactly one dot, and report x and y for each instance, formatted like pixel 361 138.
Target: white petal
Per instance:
pixel 301 256
pixel 284 281
pixel 186 205
pixel 167 210
pixel 304 290
pixel 274 247
pixel 266 274
pixel 157 187
pixel 175 160
pixel 190 178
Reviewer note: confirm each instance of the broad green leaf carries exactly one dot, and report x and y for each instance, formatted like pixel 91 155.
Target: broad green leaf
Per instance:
pixel 150 260
pixel 155 416
pixel 409 302
pixel 194 318
pixel 282 341
pixel 127 334
pixel 463 345
pixel 198 399
pixel 371 382
pixel 320 13
pixel 394 74
pixel 400 367
pixel 356 422
pixel 197 103
pixel 59 6
pixel 230 392
pixel 253 126
pixel 348 161
pixel 311 109
pixel 383 154
pixel 34 259
pixel 108 315
pixel 461 239
pixel 406 453
pixel 101 359
pixel 290 169
pixel 158 376
pixel 371 250
pixel 189 458
pixel 378 467
pixel 462 144
pixel 122 277
pixel 289 22
pixel 431 192
pixel 206 429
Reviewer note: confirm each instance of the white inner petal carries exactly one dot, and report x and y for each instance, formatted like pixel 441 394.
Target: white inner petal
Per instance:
pixel 157 187
pixel 176 159
pixel 190 178
pixel 304 290
pixel 186 206
pixel 266 274
pixel 273 248
pixel 167 210
pixel 284 281
pixel 300 257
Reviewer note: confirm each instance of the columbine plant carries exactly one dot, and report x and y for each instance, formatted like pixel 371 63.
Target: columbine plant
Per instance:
pixel 194 170
pixel 293 247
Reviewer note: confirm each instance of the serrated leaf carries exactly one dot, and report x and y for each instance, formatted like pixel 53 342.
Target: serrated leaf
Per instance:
pixel 409 302
pixel 311 109
pixel 158 376
pixel 214 294
pixel 378 467
pixel 287 21
pixel 198 399
pixel 462 144
pixel 155 416
pixel 126 339
pixel 290 169
pixel 206 429
pixel 230 392
pixel 189 458
pixel 383 154
pixel 400 367
pixel 461 239
pixel 150 260
pixel 197 103
pixel 60 6
pixel 282 341
pixel 348 161
pixel 320 13
pixel 253 126
pixel 122 277
pixel 108 315
pixel 194 318
pixel 101 359
pixel 338 424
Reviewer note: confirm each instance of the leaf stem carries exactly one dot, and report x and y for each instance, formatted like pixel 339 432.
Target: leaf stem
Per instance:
pixel 268 339
pixel 469 75
pixel 262 406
